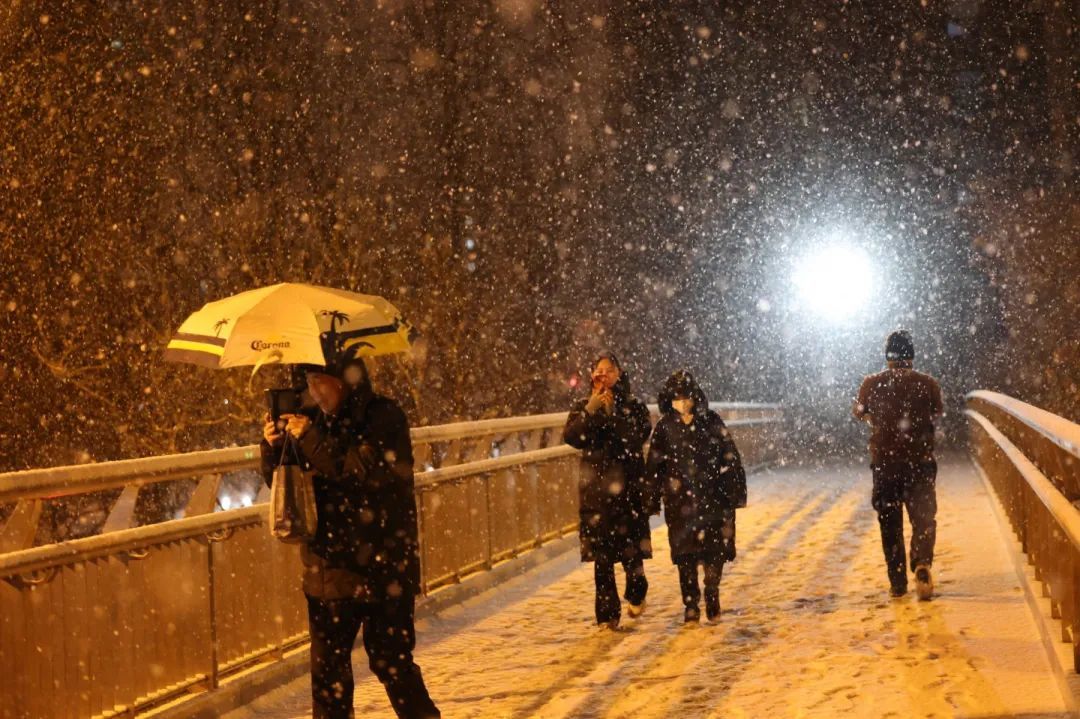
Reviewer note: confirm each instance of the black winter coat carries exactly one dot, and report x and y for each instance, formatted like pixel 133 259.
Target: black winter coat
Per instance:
pixel 611 493
pixel 696 470
pixel 366 542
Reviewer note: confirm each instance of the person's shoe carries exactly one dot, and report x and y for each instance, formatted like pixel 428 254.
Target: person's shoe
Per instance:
pixel 895 591
pixel 691 615
pixel 712 608
pixel 924 583
pixel 609 625
pixel 636 610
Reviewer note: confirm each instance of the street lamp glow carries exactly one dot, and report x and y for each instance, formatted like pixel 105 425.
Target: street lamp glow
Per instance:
pixel 835 282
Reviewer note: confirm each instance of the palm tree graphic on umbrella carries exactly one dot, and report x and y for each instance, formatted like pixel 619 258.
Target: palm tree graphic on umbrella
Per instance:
pixel 335 317
pixel 330 345
pixel 220 325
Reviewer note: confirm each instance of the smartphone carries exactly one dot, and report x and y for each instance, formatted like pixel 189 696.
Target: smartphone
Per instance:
pixel 283 401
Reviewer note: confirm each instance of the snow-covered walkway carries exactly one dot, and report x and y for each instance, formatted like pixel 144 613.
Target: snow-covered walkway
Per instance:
pixel 807 628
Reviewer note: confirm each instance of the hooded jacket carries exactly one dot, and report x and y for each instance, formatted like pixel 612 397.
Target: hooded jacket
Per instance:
pixel 611 490
pixel 366 543
pixel 696 471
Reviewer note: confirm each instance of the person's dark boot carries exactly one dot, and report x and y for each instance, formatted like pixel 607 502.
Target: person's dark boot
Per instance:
pixel 712 606
pixel 924 583
pixel 691 614
pixel 896 591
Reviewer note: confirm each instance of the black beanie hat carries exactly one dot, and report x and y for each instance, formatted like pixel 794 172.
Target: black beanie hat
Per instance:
pixel 899 347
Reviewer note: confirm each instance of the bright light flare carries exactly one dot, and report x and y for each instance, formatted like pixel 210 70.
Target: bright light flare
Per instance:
pixel 835 282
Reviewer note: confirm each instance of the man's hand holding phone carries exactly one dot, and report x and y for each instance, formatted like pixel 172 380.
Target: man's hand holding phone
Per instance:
pixel 273 436
pixel 294 424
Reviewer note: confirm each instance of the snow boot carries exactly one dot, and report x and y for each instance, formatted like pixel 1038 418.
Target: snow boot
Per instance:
pixel 635 610
pixel 924 583
pixel 897 591
pixel 691 615
pixel 609 625
pixel 712 607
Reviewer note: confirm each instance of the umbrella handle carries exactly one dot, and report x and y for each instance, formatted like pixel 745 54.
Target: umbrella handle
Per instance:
pixel 273 357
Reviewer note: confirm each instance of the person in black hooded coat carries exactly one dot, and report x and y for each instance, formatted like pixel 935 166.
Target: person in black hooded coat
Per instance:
pixel 610 428
pixel 694 467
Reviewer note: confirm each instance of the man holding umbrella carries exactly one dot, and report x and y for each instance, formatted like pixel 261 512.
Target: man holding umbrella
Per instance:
pixel 362 568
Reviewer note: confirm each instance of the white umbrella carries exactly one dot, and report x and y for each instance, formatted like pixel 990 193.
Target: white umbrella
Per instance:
pixel 289 323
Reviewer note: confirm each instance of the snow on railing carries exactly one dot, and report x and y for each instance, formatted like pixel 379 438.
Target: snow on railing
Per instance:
pixel 1060 431
pixel 436 448
pixel 1030 457
pixel 52 482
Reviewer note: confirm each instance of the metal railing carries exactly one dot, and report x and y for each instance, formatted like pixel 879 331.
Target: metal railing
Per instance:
pixel 121 622
pixel 1032 459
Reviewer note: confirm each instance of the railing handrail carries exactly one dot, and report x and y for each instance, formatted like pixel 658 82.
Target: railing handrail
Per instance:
pixel 51 482
pixel 1061 509
pixel 1062 432
pixel 25 561
pixel 50 555
pixel 435 477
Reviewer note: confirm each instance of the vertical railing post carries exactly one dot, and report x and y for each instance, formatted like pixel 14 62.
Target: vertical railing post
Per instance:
pixel 490 522
pixel 211 591
pixel 21 526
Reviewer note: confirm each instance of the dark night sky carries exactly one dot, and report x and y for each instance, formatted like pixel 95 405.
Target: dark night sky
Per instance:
pixel 530 182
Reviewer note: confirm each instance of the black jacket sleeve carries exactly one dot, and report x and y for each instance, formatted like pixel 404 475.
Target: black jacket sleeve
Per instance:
pixel 581 427
pixel 656 468
pixel 734 475
pixel 384 441
pixel 268 460
pixel 634 427
pixel 271 457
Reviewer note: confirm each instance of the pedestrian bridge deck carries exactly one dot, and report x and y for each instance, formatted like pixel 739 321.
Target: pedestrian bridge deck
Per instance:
pixel 807 628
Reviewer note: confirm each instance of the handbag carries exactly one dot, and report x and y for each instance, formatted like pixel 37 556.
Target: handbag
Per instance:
pixel 293 514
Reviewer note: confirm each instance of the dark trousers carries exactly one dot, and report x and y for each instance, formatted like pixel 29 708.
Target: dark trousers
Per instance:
pixel 688 579
pixel 913 486
pixel 389 639
pixel 608 607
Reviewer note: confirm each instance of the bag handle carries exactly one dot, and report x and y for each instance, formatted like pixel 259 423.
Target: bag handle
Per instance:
pixel 289 442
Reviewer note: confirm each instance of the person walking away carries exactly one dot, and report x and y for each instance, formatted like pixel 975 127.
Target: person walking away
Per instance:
pixel 610 428
pixel 361 570
pixel 900 406
pixel 695 469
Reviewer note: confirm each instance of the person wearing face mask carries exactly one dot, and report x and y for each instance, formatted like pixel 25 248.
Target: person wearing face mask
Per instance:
pixel 610 427
pixel 694 468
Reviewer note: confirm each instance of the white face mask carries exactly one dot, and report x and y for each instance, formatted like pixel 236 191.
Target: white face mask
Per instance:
pixel 682 406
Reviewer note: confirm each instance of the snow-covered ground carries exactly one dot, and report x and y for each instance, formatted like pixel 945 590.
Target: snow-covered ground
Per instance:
pixel 807 629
